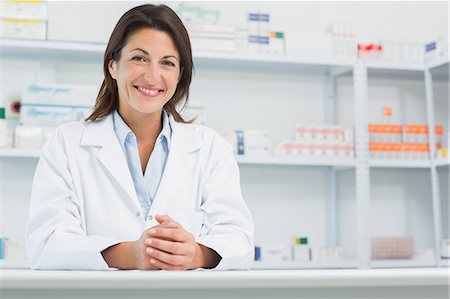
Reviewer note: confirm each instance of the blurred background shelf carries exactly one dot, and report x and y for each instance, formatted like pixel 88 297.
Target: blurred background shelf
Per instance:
pixel 14 264
pixel 403 263
pixel 261 265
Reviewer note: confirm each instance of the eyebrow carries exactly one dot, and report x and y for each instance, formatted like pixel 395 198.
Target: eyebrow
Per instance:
pixel 146 53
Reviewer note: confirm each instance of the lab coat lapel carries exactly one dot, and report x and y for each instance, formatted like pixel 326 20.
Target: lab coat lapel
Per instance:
pixel 110 154
pixel 180 162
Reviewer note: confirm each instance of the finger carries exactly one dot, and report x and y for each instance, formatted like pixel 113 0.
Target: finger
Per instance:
pixel 167 258
pixel 174 234
pixel 168 225
pixel 163 225
pixel 164 266
pixel 166 246
pixel 164 218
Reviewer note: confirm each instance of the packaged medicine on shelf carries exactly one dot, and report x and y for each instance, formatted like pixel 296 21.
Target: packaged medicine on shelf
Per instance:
pixel 344 44
pixel 14 249
pixel 385 150
pixel 258 33
pixel 213 38
pixel 3 128
pixel 277 43
pixel 385 133
pixel 24 9
pixel 275 252
pixel 257 253
pixel 392 248
pixel 329 141
pixel 434 50
pixel 32 136
pixel 370 51
pixel 52 105
pixel 25 29
pixel 426 254
pixel 327 254
pixel 445 248
pixel 252 143
pixel 320 132
pixel 300 249
pixel 419 133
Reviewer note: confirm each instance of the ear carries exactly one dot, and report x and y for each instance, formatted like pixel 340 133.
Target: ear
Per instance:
pixel 112 67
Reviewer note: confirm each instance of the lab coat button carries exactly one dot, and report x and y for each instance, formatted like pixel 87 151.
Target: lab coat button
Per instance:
pixel 150 217
pixel 138 214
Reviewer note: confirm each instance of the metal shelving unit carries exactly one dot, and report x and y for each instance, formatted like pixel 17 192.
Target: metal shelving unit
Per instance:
pixel 330 69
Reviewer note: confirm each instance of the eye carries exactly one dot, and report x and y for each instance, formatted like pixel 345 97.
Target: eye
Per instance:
pixel 168 63
pixel 138 58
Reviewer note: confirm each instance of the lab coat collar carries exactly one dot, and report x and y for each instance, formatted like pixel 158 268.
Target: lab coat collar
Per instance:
pixel 179 161
pixel 101 134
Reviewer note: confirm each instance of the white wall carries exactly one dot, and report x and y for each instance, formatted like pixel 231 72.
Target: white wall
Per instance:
pixel 285 201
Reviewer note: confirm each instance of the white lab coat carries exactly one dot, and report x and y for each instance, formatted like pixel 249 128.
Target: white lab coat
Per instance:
pixel 83 199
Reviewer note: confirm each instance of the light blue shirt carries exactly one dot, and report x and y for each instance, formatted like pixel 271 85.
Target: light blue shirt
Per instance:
pixel 146 184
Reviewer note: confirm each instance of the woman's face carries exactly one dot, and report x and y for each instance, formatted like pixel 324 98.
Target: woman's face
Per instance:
pixel 147 73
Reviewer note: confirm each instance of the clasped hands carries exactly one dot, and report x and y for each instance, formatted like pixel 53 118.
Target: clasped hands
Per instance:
pixel 167 246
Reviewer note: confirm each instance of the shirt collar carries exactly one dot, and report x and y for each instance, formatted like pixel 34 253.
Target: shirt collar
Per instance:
pixel 166 131
pixel 122 130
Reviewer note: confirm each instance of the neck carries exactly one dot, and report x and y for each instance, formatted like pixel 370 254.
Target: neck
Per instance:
pixel 146 127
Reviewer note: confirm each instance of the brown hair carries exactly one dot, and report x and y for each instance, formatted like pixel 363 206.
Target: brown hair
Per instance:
pixel 159 17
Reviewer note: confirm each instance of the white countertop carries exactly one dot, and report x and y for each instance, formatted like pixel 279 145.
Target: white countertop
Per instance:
pixel 29 279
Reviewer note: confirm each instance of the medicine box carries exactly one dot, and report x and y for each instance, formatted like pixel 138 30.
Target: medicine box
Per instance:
pixel 52 105
pixel 24 29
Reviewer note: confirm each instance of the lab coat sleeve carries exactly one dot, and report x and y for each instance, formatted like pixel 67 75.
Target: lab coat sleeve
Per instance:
pixel 228 225
pixel 56 238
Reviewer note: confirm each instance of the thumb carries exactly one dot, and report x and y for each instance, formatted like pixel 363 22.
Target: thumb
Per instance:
pixel 166 220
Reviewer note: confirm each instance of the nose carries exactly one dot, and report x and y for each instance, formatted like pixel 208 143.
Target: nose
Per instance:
pixel 152 73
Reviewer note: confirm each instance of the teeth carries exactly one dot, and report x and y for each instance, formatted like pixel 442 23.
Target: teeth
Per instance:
pixel 148 91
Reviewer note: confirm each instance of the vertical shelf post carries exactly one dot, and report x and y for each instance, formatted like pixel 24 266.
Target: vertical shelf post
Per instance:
pixel 436 200
pixel 330 119
pixel 362 171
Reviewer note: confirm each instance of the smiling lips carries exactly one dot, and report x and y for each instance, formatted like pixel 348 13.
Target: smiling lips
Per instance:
pixel 148 92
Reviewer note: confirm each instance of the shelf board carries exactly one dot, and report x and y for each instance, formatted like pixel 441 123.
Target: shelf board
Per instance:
pixel 403 263
pixel 271 161
pixel 295 161
pixel 262 265
pixel 443 62
pixel 14 264
pixel 57 50
pixel 20 152
pixel 54 50
pixel 406 163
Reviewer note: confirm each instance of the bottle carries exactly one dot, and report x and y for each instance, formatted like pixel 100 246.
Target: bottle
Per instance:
pixel 3 129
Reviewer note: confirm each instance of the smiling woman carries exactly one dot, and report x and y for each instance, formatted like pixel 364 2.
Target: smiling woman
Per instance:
pixel 146 74
pixel 135 186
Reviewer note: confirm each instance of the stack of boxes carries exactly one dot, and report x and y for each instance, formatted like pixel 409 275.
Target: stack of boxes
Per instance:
pixel 300 250
pixel 408 142
pixel 25 19
pixel 261 40
pixel 252 143
pixel 392 248
pixel 320 141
